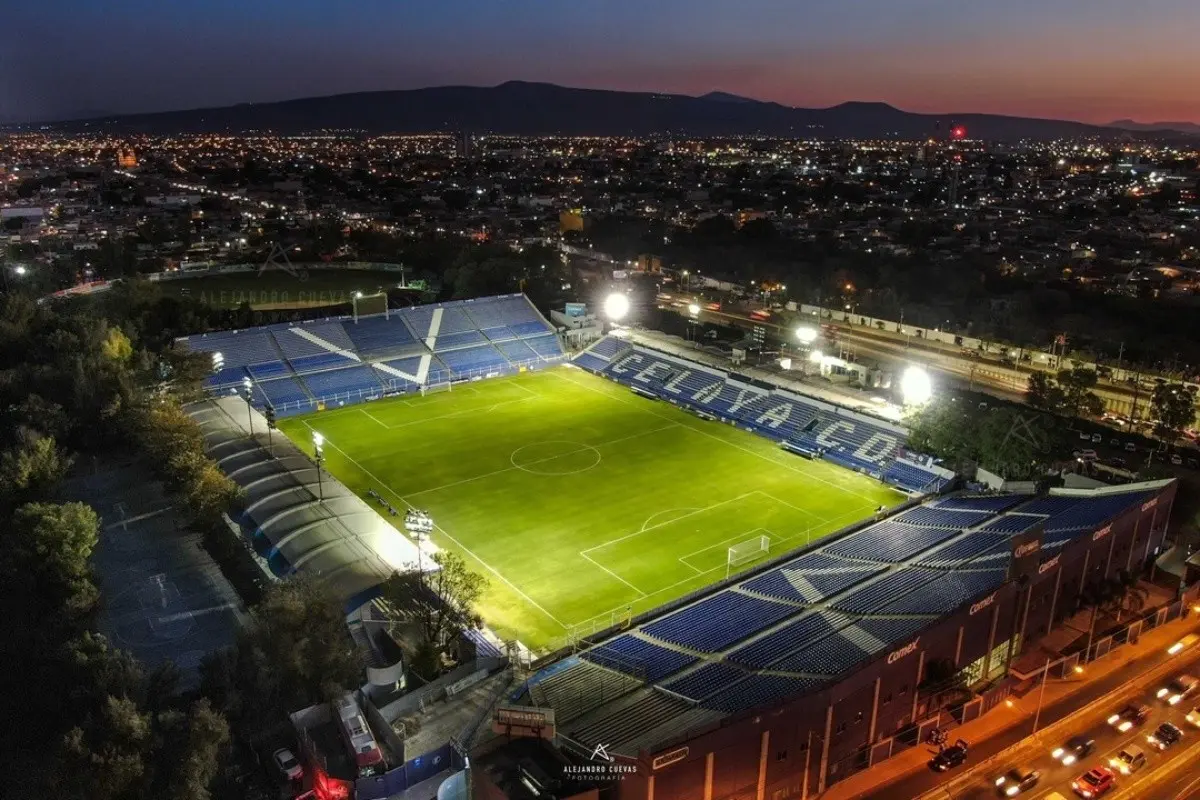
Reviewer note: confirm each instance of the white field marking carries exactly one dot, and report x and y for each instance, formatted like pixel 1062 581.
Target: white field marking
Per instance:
pixel 794 508
pixel 443 531
pixel 656 514
pixel 610 611
pixel 743 537
pixel 373 418
pixel 541 460
pixel 615 575
pixel 668 522
pixel 512 459
pixel 780 464
pixel 462 413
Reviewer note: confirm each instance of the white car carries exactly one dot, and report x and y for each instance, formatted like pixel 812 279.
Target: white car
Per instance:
pixel 287 764
pixel 1182 687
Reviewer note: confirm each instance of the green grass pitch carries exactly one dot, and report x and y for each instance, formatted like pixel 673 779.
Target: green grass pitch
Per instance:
pixel 581 502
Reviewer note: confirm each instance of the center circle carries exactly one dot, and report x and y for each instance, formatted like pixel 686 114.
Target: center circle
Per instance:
pixel 556 457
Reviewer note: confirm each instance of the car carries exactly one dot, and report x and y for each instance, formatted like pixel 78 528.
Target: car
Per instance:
pixel 1176 460
pixel 1193 716
pixel 1084 436
pixel 1086 455
pixel 1076 748
pixel 1094 783
pixel 1097 438
pixel 1129 760
pixel 1186 643
pixel 1180 688
pixel 1129 716
pixel 1017 780
pixel 950 757
pixel 1165 736
pixel 287 764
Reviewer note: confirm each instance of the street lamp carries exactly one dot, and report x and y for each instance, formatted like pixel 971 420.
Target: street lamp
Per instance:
pixel 318 448
pixel 249 389
pixel 693 309
pixel 806 334
pixel 218 362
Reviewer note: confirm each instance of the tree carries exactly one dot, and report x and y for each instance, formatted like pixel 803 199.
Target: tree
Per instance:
pixel 1173 408
pixel 1042 392
pixel 31 468
pixel 451 608
pixel 1078 399
pixel 44 556
pixel 295 651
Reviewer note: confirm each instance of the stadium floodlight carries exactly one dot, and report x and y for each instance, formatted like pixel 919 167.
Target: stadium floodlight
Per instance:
pixel 693 309
pixel 806 334
pixel 218 362
pixel 915 386
pixel 816 356
pixel 616 306
pixel 319 449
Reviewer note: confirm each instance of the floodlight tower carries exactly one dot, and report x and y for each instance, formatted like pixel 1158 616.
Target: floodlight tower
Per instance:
pixel 319 450
pixel 616 307
pixel 916 388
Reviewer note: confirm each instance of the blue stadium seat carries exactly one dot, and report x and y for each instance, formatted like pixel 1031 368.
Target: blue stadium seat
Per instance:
pixel 296 346
pixel 475 360
pixel 996 502
pixel 500 334
pixel 928 517
pixel 517 352
pixel 636 656
pixel 548 346
pixel 356 381
pixel 376 336
pixel 706 680
pixel 283 392
pixel 271 369
pixel 718 621
pixel 889 541
pixel 976 547
pixel 608 347
pixel 237 348
pixel 1011 523
pixel 885 589
pixel 790 637
pixel 757 690
pixel 321 361
pixel 913 478
pixel 947 592
pixel 590 362
pixel 453 341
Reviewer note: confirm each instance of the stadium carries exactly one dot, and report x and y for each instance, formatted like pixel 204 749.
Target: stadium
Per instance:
pixel 736 588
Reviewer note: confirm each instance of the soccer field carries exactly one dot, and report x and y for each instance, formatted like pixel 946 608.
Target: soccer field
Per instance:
pixel 581 502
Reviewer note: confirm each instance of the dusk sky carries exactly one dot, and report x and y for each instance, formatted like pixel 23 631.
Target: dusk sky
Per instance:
pixel 1090 60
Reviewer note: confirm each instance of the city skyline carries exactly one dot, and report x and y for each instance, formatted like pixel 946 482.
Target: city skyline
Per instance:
pixel 1024 59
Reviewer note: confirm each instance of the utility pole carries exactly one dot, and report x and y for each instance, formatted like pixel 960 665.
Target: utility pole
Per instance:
pixel 1041 694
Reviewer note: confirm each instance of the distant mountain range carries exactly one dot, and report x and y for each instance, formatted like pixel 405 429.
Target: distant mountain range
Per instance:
pixel 540 108
pixel 1181 127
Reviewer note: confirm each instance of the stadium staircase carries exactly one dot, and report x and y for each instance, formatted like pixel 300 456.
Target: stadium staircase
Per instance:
pixel 299 367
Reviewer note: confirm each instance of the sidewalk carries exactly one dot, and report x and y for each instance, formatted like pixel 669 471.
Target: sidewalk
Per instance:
pixel 1012 712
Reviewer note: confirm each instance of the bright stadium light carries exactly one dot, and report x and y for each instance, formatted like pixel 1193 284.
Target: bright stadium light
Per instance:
pixel 816 356
pixel 806 335
pixel 915 386
pixel 693 309
pixel 616 306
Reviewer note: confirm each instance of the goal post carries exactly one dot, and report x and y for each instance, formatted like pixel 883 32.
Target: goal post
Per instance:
pixel 745 552
pixel 365 305
pixel 438 386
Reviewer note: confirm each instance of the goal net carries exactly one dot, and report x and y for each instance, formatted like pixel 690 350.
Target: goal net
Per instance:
pixel 433 388
pixel 367 304
pixel 746 552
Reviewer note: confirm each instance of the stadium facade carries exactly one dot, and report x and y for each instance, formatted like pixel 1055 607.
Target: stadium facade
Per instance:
pixel 818 669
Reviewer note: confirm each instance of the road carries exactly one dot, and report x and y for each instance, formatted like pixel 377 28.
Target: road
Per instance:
pixel 1088 718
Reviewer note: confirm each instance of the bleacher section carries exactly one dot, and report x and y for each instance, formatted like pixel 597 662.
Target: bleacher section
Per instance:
pixel 803 623
pixel 296 366
pixel 804 424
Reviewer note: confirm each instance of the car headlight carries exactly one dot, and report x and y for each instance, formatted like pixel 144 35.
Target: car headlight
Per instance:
pixel 1057 754
pixel 1000 781
pixel 1068 761
pixel 1012 791
pixel 1113 719
pixel 1124 726
pixel 1174 699
pixel 1161 693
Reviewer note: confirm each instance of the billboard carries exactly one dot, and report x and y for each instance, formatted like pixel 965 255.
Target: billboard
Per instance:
pixel 576 310
pixel 529 721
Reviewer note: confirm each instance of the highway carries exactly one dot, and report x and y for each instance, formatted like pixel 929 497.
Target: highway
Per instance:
pixel 1164 775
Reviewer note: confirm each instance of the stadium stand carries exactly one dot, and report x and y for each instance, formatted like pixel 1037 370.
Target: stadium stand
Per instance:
pixel 889 541
pixel 788 638
pixel 708 679
pixel 943 518
pixel 718 621
pixel 636 656
pixel 994 503
pixel 328 359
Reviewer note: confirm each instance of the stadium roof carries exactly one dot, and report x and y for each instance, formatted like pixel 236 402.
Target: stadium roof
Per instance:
pixel 341 539
pixel 807 621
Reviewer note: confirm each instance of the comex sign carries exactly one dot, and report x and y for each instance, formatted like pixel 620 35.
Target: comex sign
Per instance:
pixel 982 604
pixel 907 650
pixel 1027 548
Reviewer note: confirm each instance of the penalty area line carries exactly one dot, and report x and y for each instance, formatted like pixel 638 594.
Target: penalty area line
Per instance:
pixel 613 574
